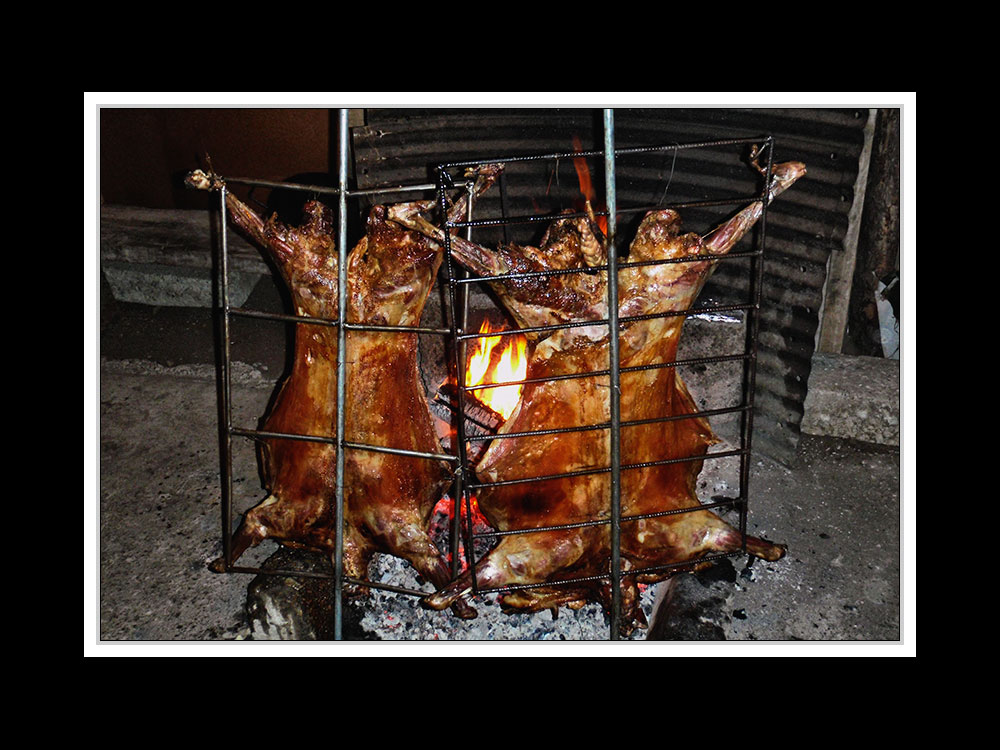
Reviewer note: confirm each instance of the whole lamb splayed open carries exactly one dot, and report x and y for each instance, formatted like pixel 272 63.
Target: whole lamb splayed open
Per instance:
pixel 389 498
pixel 535 559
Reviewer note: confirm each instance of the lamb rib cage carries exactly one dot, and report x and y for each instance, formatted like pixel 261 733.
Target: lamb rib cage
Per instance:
pixel 456 334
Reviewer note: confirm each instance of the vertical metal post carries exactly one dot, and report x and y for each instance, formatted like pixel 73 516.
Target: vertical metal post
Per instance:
pixel 611 199
pixel 753 331
pixel 224 370
pixel 459 353
pixel 456 520
pixel 338 561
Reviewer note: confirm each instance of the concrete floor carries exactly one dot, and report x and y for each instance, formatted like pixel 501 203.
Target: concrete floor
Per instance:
pixel 156 519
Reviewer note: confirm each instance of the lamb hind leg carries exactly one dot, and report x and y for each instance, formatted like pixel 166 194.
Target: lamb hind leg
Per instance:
pixel 516 560
pixel 713 535
pixel 423 555
pixel 252 531
pixel 273 518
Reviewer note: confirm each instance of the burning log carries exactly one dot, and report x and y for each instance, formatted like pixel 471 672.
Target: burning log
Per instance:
pixel 388 498
pixel 548 557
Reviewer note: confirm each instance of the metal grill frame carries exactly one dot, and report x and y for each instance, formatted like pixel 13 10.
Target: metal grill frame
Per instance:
pixel 457 335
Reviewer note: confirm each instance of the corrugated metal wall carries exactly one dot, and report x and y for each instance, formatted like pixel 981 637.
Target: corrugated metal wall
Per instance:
pixel 805 225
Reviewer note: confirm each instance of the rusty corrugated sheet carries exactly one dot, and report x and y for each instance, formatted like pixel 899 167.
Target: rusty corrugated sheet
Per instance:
pixel 805 225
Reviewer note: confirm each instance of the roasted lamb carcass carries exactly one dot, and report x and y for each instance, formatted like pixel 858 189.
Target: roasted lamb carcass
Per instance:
pixel 388 498
pixel 552 556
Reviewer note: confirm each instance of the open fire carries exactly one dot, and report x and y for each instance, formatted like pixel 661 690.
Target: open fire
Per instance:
pixel 548 544
pixel 493 363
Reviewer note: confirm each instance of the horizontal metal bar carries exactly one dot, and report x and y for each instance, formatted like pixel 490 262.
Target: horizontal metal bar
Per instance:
pixel 268 435
pixel 391 189
pixel 396 329
pixel 688 312
pixel 400 451
pixel 677 511
pixel 534 218
pixel 604 321
pixel 607 425
pixel 317 574
pixel 528 274
pixel 330 190
pixel 668 566
pixel 534 329
pixel 665 461
pixel 688 259
pixel 285 317
pixel 523 586
pixel 386 587
pixel 689 361
pixel 606 521
pixel 633 572
pixel 692 415
pixel 413 592
pixel 587 472
pixel 618 152
pixel 288 185
pixel 597 269
pixel 598 373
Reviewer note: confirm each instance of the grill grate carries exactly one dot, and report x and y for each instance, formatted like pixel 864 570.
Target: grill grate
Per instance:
pixel 456 335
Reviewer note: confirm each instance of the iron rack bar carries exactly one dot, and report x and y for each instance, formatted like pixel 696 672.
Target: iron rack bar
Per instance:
pixel 617 152
pixel 331 190
pixel 227 416
pixel 397 189
pixel 606 321
pixel 463 293
pixel 752 333
pixel 534 218
pixel 459 489
pixel 321 575
pixel 694 561
pixel 589 579
pixel 338 556
pixel 605 522
pixel 285 317
pixel 268 435
pixel 606 469
pixel 611 198
pixel 598 373
pixel 395 329
pixel 288 185
pixel 688 259
pixel 606 425
pixel 597 269
pixel 306 319
pixel 523 586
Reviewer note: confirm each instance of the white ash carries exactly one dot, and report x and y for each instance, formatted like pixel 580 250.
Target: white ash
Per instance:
pixel 398 617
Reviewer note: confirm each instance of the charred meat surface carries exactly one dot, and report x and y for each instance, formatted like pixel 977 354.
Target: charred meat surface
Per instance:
pixel 388 498
pixel 547 557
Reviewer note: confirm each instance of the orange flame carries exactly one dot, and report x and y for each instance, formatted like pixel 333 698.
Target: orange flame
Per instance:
pixel 512 365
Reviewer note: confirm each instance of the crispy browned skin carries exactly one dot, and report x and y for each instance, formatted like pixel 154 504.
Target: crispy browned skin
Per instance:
pixel 551 556
pixel 388 498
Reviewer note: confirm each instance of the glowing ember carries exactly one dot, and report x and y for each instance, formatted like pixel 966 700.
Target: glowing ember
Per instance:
pixel 441 519
pixel 511 365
